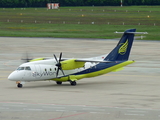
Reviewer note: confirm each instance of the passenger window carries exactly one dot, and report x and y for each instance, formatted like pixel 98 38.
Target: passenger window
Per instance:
pixel 27 68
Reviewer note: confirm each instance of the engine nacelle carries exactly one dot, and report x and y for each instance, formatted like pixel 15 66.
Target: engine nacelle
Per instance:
pixel 71 64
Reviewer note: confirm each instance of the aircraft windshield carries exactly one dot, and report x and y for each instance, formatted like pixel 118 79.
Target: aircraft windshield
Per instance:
pixel 20 68
pixel 24 68
pixel 27 68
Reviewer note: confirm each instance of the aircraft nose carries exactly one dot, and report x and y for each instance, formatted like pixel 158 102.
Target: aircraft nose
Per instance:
pixel 13 76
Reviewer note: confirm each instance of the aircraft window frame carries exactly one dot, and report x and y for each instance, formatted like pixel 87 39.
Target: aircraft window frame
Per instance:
pixel 28 68
pixel 20 68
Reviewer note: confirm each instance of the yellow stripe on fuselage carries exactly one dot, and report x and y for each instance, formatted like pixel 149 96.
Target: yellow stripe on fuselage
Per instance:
pixel 107 70
pixel 97 73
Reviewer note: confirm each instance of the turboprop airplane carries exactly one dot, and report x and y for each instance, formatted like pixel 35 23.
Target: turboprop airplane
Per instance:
pixel 70 70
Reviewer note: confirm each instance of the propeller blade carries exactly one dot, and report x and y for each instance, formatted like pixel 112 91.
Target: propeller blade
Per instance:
pixel 62 71
pixel 26 58
pixel 60 56
pixel 57 72
pixel 55 57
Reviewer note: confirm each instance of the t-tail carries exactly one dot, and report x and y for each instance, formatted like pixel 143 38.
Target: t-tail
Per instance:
pixel 122 51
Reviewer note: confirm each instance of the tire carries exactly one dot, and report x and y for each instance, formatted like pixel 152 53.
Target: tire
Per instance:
pixel 73 83
pixel 59 82
pixel 19 85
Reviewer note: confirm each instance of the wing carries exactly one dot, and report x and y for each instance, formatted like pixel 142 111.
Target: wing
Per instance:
pixel 77 63
pixel 96 61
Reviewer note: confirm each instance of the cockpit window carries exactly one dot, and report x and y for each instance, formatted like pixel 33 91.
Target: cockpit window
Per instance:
pixel 24 68
pixel 20 68
pixel 27 68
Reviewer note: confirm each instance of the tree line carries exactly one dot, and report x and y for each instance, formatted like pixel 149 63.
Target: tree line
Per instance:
pixel 43 3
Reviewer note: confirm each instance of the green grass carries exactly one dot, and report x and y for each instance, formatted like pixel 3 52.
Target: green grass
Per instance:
pixel 77 22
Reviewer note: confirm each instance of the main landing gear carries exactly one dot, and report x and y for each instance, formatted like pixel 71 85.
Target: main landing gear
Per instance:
pixel 59 83
pixel 73 83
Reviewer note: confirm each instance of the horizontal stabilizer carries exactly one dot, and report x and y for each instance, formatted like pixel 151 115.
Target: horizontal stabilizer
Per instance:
pixel 132 32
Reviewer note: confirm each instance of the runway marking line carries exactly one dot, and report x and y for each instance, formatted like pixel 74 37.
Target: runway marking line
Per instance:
pixel 138 111
pixel 67 116
pixel 134 114
pixel 102 106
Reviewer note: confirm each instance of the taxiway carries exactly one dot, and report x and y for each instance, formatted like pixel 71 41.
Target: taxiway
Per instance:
pixel 129 94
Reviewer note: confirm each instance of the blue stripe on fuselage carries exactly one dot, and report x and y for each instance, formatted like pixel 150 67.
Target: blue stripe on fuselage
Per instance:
pixel 98 67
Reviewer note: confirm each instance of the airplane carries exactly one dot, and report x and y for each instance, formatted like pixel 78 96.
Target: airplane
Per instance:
pixel 70 70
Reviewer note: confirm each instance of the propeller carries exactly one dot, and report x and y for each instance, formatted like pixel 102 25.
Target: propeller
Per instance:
pixel 59 64
pixel 26 58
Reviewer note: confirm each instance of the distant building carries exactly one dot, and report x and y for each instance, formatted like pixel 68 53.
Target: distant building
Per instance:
pixel 53 5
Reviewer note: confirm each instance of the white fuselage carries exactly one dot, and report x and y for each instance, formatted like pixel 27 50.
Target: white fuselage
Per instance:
pixel 44 70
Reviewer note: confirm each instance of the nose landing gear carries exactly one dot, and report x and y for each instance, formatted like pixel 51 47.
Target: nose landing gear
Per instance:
pixel 19 85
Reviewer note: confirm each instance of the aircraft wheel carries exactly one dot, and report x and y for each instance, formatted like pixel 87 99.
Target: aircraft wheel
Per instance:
pixel 73 83
pixel 59 83
pixel 19 85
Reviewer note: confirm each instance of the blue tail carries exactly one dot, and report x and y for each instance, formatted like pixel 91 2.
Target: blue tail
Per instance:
pixel 122 50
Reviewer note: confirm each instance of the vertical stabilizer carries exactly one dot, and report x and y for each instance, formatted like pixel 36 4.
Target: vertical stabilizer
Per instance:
pixel 122 50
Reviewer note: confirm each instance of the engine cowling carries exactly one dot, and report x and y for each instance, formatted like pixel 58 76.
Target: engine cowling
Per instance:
pixel 71 64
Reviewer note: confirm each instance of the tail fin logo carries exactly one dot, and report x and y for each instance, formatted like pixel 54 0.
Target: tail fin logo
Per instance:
pixel 123 48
